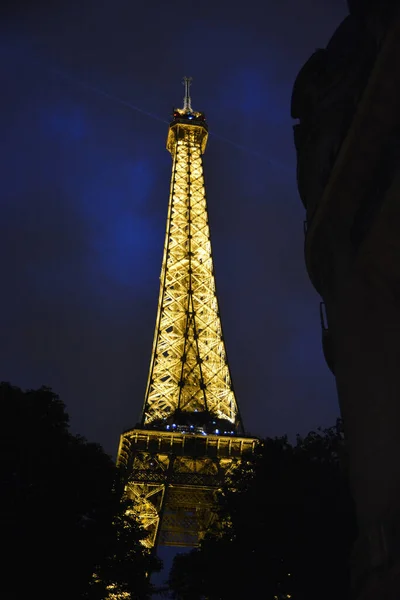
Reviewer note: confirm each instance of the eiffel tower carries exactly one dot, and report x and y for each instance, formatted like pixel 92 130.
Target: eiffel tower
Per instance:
pixel 191 433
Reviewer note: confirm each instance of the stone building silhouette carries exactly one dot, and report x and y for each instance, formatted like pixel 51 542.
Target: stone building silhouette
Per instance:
pixel 347 102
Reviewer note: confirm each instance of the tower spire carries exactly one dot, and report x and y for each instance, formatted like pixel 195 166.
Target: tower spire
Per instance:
pixel 187 101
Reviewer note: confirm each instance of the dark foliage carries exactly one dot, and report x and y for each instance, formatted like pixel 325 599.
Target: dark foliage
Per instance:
pixel 62 519
pixel 286 528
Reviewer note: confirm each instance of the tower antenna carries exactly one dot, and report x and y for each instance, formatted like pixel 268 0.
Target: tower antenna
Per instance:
pixel 187 102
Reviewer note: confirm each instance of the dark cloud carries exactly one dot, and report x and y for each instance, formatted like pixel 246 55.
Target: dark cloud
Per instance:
pixel 85 181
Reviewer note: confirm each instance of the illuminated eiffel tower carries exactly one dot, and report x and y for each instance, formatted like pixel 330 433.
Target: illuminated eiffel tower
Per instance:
pixel 191 434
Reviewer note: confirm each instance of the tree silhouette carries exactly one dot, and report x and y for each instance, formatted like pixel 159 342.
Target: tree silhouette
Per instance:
pixel 65 531
pixel 285 529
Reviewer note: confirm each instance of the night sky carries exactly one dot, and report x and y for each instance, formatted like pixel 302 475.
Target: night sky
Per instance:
pixel 87 92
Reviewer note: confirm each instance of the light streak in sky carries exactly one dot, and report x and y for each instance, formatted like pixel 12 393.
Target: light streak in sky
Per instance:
pixel 151 115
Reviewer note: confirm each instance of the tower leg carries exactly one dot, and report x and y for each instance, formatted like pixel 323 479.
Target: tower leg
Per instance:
pixel 172 479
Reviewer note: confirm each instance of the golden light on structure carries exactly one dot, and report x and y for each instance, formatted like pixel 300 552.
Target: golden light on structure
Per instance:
pixel 188 438
pixel 189 369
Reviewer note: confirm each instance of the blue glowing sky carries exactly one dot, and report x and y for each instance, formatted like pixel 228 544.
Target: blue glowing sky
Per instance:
pixel 85 181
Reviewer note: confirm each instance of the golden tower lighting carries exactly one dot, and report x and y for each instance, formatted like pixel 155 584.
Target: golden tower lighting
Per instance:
pixel 191 433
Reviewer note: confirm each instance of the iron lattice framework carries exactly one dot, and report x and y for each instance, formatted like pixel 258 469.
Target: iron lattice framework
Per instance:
pixel 189 434
pixel 172 477
pixel 189 370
